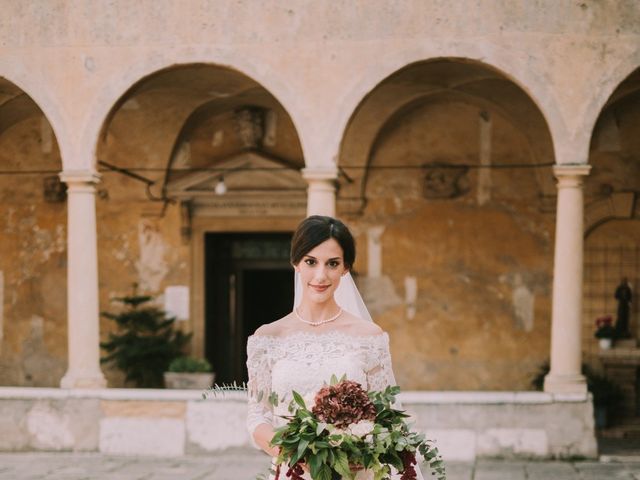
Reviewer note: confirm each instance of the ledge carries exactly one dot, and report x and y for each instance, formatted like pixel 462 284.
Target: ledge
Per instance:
pixel 488 398
pixel 113 394
pixel 408 397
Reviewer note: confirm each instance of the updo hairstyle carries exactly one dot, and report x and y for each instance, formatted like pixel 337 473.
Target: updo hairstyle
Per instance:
pixel 316 229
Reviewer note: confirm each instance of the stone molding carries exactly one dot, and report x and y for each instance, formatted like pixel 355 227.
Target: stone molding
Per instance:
pixel 313 174
pixel 409 396
pixel 571 176
pixel 80 178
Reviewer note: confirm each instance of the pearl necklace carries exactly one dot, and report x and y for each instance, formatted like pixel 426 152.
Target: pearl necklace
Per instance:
pixel 318 323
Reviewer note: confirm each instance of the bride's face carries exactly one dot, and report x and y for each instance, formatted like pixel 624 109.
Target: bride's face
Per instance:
pixel 320 271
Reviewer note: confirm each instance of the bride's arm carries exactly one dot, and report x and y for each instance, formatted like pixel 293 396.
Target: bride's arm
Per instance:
pixel 379 370
pixel 260 411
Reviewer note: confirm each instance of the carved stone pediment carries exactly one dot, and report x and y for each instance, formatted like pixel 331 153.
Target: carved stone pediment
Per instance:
pixel 257 185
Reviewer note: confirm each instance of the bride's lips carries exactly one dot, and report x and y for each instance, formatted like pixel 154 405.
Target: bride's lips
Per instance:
pixel 319 288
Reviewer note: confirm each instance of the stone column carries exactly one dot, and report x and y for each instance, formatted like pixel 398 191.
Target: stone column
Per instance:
pixel 566 320
pixel 82 282
pixel 321 194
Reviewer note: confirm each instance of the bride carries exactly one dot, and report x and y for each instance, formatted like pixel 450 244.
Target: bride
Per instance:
pixel 329 332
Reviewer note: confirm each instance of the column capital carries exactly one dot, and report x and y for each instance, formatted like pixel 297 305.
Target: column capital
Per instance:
pixel 80 177
pixel 576 172
pixel 328 173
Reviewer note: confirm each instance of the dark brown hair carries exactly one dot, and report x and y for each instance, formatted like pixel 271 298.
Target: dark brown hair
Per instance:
pixel 316 229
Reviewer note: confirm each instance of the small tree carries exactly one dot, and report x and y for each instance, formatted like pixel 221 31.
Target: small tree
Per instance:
pixel 145 343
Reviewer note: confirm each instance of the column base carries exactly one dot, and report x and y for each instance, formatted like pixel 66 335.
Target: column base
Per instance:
pixel 565 384
pixel 83 380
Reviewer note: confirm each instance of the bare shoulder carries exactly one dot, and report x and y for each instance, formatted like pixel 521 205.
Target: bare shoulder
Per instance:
pixel 360 327
pixel 274 328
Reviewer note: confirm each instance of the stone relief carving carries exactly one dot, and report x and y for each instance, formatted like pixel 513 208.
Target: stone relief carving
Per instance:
pixel 442 180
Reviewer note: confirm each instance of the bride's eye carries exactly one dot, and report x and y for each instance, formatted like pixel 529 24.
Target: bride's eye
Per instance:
pixel 310 261
pixel 334 263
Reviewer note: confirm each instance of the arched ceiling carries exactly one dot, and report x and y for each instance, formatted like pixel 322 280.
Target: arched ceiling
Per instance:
pixel 614 148
pixel 15 106
pixel 445 79
pixel 627 90
pixel 182 107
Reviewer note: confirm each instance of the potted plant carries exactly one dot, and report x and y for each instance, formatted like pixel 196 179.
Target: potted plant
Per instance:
pixel 189 373
pixel 605 331
pixel 145 341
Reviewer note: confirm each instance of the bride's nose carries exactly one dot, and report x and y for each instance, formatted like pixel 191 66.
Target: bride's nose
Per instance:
pixel 320 274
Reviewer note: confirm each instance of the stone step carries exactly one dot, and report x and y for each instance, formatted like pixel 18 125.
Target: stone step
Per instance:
pixel 628 429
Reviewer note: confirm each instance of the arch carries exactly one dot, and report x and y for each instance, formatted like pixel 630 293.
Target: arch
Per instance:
pixel 37 91
pixel 444 78
pixel 607 88
pixel 510 68
pixel 117 85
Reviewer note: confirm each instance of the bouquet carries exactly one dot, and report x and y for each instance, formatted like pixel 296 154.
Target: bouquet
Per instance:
pixel 346 430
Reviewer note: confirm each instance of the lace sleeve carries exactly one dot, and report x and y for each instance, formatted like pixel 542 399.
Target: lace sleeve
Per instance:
pixel 379 371
pixel 259 385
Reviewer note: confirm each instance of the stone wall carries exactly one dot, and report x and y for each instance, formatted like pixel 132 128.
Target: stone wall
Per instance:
pixel 170 423
pixel 33 289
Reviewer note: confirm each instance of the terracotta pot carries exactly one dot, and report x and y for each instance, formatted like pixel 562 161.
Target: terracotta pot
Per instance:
pixel 188 381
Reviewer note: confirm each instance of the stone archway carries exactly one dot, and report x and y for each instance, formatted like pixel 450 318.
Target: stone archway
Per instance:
pixel 447 175
pixel 612 248
pixel 164 147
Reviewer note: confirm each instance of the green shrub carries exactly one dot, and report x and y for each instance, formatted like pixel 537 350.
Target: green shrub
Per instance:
pixel 145 342
pixel 190 365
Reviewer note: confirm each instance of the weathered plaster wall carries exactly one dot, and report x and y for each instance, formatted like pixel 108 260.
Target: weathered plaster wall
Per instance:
pixel 482 265
pixel 33 333
pixel 138 239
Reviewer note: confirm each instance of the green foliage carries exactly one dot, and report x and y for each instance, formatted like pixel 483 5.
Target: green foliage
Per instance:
pixel 145 342
pixel 190 365
pixel 605 331
pixel 221 389
pixel 331 453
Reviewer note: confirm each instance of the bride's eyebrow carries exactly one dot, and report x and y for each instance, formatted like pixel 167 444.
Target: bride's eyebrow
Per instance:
pixel 329 260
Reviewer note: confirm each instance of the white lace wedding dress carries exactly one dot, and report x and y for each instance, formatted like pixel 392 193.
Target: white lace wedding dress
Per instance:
pixel 304 362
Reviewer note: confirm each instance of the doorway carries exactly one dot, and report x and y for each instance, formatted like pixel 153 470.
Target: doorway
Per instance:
pixel 248 282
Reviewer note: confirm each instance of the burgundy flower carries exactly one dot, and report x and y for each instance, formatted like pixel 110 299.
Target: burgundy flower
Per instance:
pixel 408 461
pixel 343 404
pixel 295 472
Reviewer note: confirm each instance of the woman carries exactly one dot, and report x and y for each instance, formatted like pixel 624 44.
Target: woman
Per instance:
pixel 326 334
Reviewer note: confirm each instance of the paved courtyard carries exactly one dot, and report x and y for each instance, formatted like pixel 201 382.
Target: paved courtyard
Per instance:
pixel 243 465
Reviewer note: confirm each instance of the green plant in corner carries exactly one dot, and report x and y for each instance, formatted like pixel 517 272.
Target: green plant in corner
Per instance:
pixel 190 365
pixel 145 342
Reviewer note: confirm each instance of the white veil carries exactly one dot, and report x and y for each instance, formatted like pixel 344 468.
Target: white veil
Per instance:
pixel 346 295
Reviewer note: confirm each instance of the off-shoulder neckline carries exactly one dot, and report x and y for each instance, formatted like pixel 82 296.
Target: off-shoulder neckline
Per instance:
pixel 337 333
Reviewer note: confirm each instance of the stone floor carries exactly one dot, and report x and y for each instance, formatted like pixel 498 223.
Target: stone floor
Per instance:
pixel 243 465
